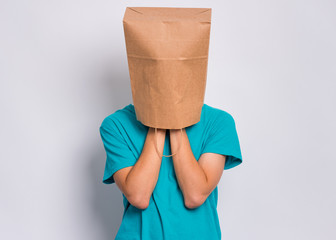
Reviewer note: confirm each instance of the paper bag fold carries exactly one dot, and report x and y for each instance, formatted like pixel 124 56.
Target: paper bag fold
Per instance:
pixel 167 53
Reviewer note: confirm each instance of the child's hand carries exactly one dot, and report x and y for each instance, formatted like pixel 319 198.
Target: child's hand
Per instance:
pixel 175 131
pixel 176 135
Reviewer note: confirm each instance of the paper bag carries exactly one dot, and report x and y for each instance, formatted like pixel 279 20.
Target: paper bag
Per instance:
pixel 167 53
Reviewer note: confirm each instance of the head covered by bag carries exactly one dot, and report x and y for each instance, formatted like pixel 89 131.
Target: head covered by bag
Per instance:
pixel 167 52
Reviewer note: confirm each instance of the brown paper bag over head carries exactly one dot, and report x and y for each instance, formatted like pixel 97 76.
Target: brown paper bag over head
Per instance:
pixel 167 53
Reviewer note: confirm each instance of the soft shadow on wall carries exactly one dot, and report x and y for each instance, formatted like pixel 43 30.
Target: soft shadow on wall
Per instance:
pixel 106 200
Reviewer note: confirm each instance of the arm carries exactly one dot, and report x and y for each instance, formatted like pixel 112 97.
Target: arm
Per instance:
pixel 138 182
pixel 197 179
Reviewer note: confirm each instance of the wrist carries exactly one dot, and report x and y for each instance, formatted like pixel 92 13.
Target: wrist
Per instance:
pixel 160 132
pixel 175 133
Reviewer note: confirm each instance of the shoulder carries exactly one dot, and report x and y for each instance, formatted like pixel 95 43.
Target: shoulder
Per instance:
pixel 217 115
pixel 120 115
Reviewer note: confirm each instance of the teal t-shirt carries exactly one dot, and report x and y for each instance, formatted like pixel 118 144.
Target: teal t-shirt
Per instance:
pixel 166 217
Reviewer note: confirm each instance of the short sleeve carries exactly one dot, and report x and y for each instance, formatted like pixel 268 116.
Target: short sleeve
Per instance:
pixel 223 139
pixel 118 153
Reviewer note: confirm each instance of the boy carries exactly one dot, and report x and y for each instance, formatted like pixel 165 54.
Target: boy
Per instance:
pixel 169 198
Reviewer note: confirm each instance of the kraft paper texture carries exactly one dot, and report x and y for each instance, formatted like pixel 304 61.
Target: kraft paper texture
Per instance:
pixel 167 53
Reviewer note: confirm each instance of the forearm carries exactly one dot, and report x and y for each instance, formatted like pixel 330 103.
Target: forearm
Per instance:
pixel 190 175
pixel 142 179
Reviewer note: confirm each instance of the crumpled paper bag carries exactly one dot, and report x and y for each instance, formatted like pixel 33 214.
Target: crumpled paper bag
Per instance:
pixel 167 53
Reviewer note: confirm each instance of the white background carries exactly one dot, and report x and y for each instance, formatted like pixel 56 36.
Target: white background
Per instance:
pixel 63 69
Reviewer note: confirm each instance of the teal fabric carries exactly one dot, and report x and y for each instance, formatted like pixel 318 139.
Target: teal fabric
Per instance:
pixel 166 217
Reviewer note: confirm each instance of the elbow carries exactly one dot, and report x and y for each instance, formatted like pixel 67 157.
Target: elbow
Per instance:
pixel 142 205
pixel 139 202
pixel 193 202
